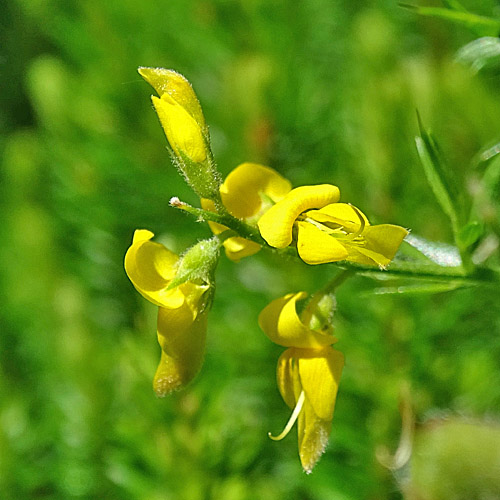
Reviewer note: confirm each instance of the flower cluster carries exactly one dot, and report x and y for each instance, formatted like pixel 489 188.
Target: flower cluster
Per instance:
pixel 254 207
pixel 309 370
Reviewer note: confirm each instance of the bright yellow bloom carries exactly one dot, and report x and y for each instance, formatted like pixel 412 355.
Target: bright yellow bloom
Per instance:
pixel 330 233
pixel 182 314
pixel 309 371
pixel 179 112
pixel 248 191
pixel 308 381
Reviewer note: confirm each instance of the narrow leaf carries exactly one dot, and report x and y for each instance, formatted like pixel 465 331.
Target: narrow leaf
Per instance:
pixel 440 254
pixel 420 288
pixel 440 177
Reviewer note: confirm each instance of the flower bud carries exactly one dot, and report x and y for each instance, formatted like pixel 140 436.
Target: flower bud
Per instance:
pixel 198 263
pixel 184 125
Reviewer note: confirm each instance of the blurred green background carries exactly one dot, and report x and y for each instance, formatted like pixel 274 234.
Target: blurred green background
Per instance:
pixel 321 90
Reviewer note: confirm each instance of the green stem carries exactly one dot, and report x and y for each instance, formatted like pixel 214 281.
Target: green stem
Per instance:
pixel 242 229
pixel 478 277
pixel 336 281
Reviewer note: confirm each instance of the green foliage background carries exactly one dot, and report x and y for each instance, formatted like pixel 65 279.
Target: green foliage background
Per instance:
pixel 323 91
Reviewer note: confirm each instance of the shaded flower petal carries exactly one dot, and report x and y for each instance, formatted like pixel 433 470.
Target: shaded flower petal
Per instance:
pixel 241 191
pixel 285 378
pixel 341 214
pixel 317 247
pixel 237 248
pixel 281 323
pixel 276 224
pixel 182 337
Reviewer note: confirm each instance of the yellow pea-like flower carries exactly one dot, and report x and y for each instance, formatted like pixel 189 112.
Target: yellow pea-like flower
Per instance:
pixel 182 314
pixel 308 381
pixel 308 372
pixel 328 231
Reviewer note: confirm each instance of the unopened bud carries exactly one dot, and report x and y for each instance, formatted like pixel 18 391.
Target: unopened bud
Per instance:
pixel 198 262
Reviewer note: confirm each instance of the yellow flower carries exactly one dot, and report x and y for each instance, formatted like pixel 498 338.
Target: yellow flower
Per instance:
pixel 179 112
pixel 308 371
pixel 181 316
pixel 308 381
pixel 248 191
pixel 327 231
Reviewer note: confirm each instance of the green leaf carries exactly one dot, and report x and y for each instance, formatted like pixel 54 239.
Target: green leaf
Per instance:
pixel 470 233
pixel 481 53
pixel 431 253
pixel 420 288
pixel 481 25
pixel 440 177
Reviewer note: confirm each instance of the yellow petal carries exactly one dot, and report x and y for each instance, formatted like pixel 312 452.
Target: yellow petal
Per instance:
pixel 241 190
pixel 280 322
pixel 276 224
pixel 384 239
pixel 181 129
pixel 167 81
pixel 380 244
pixel 341 214
pixel 182 339
pixel 150 267
pixel 320 372
pixel 317 247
